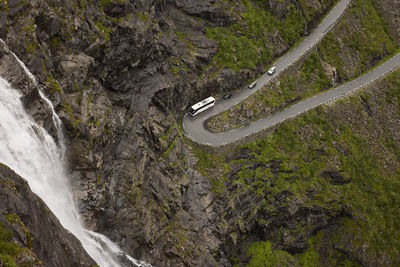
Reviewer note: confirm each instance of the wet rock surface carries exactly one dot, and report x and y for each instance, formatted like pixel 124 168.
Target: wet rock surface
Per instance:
pixel 35 226
pixel 11 71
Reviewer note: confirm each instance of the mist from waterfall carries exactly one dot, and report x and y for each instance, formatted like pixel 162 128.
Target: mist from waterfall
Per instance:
pixel 32 153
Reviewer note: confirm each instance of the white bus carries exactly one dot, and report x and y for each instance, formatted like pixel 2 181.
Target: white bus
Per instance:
pixel 202 105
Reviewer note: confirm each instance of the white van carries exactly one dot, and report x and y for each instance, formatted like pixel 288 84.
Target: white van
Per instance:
pixel 252 85
pixel 271 70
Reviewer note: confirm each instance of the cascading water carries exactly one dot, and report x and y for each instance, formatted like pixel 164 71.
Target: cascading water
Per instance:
pixel 32 153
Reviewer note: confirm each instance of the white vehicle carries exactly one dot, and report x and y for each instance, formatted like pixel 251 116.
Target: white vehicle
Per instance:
pixel 202 105
pixel 271 70
pixel 252 85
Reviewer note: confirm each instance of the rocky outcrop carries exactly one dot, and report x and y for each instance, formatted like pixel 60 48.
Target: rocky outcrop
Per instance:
pixel 389 10
pixel 35 227
pixel 335 177
pixel 119 74
pixel 212 10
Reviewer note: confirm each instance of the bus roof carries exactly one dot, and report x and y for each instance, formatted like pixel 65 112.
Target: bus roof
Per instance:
pixel 203 102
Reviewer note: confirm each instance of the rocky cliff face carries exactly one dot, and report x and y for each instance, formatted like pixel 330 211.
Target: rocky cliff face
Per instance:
pixel 312 187
pixel 30 234
pixel 120 73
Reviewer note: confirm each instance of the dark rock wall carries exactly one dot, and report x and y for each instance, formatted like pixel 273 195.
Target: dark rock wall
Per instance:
pixel 120 73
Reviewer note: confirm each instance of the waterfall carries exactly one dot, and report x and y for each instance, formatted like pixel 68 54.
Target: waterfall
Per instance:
pixel 56 119
pixel 32 153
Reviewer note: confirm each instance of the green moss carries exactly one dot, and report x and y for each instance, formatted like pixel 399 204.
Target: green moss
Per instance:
pixel 8 249
pixel 143 16
pixel 368 47
pixel 313 66
pixel 218 185
pixel 183 37
pixel 105 2
pixel 205 160
pixel 175 69
pixel 247 43
pixel 13 218
pixel 168 132
pixel 8 261
pixel 55 41
pixel 377 206
pixel 71 116
pixel 312 257
pixel 263 255
pixel 176 65
pixel 3 5
pixel 209 162
pixel 105 31
pixel 371 42
pixel 371 196
pixel 169 149
pixel 53 84
pixel 29 28
pixel 5 233
pixel 31 47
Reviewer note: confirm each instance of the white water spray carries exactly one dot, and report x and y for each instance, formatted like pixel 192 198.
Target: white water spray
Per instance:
pixel 56 119
pixel 32 153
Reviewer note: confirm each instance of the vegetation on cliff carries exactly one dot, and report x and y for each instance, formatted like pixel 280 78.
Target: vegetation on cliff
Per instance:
pixel 360 40
pixel 260 33
pixel 120 73
pixel 8 249
pixel 326 184
pixel 249 41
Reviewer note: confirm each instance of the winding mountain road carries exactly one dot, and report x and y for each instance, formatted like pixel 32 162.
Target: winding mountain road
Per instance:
pixel 195 127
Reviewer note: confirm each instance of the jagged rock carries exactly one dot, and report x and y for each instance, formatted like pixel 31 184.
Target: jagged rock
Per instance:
pixel 117 77
pixel 117 9
pixel 279 8
pixel 243 153
pixel 212 10
pixel 390 8
pixel 330 71
pixel 75 69
pixel 335 177
pixel 275 165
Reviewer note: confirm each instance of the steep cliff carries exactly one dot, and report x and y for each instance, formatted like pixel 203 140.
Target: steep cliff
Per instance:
pixel 30 235
pixel 322 190
pixel 120 73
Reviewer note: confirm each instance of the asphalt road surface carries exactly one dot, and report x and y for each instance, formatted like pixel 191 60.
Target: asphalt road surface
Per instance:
pixel 196 129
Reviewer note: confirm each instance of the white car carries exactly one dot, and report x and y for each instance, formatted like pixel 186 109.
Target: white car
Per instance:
pixel 252 85
pixel 271 70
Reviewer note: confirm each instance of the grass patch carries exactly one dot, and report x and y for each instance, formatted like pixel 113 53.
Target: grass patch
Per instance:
pixel 324 139
pixel 248 42
pixel 13 218
pixel 263 255
pixel 359 42
pixel 207 164
pixel 169 149
pixel 361 34
pixel 105 31
pixel 8 249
